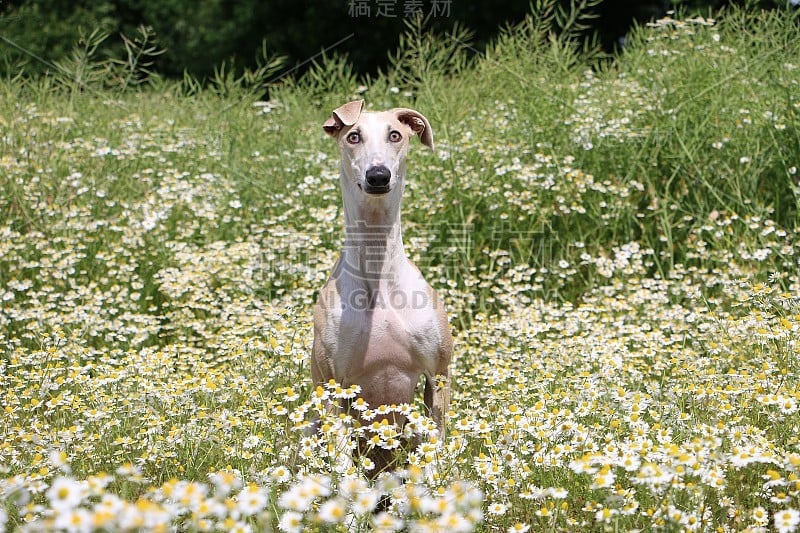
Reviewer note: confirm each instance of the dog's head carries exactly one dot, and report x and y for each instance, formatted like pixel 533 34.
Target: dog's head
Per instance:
pixel 374 145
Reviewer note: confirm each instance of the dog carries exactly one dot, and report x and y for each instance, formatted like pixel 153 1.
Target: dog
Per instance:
pixel 377 323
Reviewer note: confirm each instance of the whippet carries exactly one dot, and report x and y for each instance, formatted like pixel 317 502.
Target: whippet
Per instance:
pixel 377 322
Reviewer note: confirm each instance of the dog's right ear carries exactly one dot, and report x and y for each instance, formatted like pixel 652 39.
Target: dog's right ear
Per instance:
pixel 346 115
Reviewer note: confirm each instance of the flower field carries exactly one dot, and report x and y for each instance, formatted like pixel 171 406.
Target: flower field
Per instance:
pixel 618 250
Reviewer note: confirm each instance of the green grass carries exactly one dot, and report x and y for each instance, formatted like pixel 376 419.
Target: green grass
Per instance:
pixel 617 247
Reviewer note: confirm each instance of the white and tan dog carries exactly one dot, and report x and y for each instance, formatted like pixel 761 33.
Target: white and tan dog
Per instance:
pixel 377 322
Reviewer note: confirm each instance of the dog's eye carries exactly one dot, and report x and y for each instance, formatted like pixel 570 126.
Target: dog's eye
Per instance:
pixel 395 136
pixel 354 137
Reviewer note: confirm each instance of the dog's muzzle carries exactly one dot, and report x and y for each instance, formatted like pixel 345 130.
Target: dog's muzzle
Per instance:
pixel 377 180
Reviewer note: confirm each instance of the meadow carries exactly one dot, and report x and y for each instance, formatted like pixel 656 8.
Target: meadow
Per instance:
pixel 617 244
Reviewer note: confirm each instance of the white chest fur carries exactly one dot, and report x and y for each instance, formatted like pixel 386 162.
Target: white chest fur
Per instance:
pixel 392 326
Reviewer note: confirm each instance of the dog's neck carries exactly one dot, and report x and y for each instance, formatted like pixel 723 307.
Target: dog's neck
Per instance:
pixel 373 244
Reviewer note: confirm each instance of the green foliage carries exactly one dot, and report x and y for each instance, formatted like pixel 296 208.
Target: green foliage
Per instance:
pixel 423 56
pixel 199 36
pixel 141 52
pixel 38 33
pixel 639 128
pixel 329 79
pixel 227 82
pixel 81 69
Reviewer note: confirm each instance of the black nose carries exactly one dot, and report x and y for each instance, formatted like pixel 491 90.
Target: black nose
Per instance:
pixel 378 177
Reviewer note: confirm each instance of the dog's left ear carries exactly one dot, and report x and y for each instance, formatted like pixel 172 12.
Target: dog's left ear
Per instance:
pixel 346 115
pixel 418 124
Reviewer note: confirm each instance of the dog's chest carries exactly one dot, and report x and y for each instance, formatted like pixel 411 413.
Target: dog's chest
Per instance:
pixel 395 326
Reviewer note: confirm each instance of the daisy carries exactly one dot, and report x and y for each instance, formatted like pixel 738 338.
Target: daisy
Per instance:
pixel 365 501
pixel 605 515
pixel 74 521
pixel 251 500
pixel 786 521
pixel 496 509
pixel 281 474
pixel 760 516
pixel 65 493
pixel 386 523
pixel 225 481
pixel 454 522
pixel 291 522
pixel 332 511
